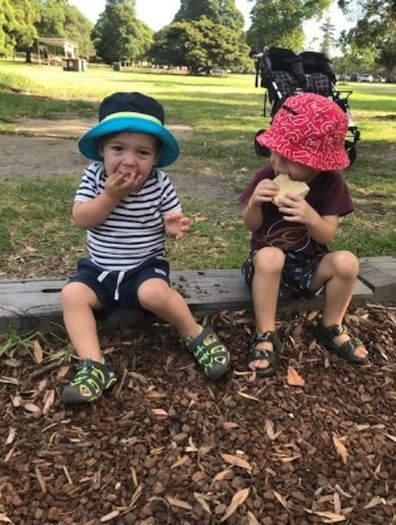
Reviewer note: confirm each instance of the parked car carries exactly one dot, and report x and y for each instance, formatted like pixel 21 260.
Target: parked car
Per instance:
pixel 366 77
pixel 378 78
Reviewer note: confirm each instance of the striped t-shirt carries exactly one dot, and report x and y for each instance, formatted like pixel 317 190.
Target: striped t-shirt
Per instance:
pixel 134 231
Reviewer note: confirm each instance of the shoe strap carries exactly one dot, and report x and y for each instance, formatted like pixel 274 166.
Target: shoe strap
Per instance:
pixel 262 337
pixel 199 340
pixel 335 329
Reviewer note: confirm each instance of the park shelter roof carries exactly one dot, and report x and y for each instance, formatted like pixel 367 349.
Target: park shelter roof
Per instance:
pixel 70 48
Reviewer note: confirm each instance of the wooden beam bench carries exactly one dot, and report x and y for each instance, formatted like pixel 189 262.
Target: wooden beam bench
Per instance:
pixel 34 304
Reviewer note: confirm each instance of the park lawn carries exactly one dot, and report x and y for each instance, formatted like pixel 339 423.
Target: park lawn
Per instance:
pixel 36 236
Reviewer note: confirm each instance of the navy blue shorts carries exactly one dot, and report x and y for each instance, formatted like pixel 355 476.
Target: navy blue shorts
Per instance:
pixel 296 275
pixel 115 290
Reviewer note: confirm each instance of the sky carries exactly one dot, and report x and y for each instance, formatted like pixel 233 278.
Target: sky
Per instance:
pixel 158 13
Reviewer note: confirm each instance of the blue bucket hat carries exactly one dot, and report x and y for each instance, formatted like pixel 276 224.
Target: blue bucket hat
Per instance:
pixel 133 112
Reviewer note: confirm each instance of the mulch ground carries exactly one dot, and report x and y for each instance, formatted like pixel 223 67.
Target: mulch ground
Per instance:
pixel 314 444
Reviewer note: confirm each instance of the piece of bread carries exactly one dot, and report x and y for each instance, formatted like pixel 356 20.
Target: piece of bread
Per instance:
pixel 286 185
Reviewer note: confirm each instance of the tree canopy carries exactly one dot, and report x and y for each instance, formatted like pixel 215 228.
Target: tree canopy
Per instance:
pixel 223 12
pixel 375 31
pixel 280 22
pixel 118 35
pixel 200 46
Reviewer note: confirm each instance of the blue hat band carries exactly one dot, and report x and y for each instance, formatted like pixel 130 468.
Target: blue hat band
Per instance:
pixel 89 142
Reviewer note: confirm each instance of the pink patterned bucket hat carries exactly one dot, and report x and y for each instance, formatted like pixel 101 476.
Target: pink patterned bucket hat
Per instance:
pixel 309 129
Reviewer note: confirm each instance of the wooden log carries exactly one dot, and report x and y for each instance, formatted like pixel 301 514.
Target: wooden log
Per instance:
pixel 34 304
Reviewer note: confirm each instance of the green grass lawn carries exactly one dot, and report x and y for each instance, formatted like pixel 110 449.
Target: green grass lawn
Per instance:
pixel 36 233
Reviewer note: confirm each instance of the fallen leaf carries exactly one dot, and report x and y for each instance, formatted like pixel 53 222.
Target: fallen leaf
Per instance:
pixel 269 428
pixel 237 500
pixel 11 436
pixel 252 519
pixel 16 401
pixel 376 500
pixel 63 370
pixel 389 436
pixel 160 412
pixel 49 399
pixel 311 316
pixel 174 502
pixel 230 424
pixel 294 378
pixel 340 448
pixel 192 447
pixel 179 462
pixel 337 503
pixel 202 502
pixel 37 351
pixel 330 517
pixel 247 395
pixel 237 461
pixel 220 475
pixel 4 518
pixel 31 407
pixel 110 516
pixel 281 500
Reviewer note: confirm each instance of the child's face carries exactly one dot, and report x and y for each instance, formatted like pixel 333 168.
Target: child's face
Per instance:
pixel 295 170
pixel 130 153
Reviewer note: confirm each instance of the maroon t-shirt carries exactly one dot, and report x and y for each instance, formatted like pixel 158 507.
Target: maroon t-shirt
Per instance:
pixel 328 195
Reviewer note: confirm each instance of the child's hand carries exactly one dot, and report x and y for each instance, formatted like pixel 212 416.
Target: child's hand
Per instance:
pixel 265 191
pixel 296 209
pixel 120 185
pixel 176 224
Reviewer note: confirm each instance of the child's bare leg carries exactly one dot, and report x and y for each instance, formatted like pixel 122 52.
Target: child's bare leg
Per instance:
pixel 158 297
pixel 338 271
pixel 268 264
pixel 79 301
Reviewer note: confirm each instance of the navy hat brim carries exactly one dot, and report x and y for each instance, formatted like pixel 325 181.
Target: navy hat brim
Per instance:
pixel 89 142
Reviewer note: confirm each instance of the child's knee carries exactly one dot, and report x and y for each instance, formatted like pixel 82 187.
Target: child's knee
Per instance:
pixel 346 264
pixel 77 294
pixel 269 260
pixel 153 292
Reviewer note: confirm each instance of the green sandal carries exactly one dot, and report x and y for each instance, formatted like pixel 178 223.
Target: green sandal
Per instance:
pixel 210 353
pixel 91 380
pixel 326 335
pixel 256 354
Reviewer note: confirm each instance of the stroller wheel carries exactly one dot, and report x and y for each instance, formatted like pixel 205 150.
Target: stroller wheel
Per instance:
pixel 263 151
pixel 350 148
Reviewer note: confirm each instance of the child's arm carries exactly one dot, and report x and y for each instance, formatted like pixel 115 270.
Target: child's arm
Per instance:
pixel 90 214
pixel 322 229
pixel 252 215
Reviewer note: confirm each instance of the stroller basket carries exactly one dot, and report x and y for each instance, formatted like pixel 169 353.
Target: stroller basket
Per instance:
pixel 284 73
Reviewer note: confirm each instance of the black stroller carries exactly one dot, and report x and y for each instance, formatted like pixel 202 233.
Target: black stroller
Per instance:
pixel 283 73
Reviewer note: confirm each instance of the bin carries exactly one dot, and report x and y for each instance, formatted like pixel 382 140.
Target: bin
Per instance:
pixel 116 66
pixel 74 64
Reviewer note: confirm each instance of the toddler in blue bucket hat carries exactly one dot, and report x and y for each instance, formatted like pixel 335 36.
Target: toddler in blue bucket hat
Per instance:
pixel 128 206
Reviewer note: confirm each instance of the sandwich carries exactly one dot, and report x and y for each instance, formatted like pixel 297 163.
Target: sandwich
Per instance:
pixel 287 185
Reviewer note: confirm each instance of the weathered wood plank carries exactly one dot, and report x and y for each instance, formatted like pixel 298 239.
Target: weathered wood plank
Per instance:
pixel 379 274
pixel 34 304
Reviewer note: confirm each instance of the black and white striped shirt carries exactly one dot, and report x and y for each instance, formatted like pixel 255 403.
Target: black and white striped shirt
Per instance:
pixel 134 231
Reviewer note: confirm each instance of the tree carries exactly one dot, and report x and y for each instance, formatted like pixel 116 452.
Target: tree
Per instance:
pixel 223 12
pixel 17 24
pixel 118 35
pixel 59 19
pixel 328 37
pixel 200 46
pixel 375 29
pixel 280 22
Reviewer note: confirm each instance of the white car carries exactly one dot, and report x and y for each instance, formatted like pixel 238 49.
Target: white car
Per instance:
pixel 366 78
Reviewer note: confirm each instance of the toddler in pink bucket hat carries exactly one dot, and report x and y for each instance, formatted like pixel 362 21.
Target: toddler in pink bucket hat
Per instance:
pixel 292 226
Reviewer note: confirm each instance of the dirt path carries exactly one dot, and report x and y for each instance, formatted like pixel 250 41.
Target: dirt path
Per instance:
pixel 51 148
